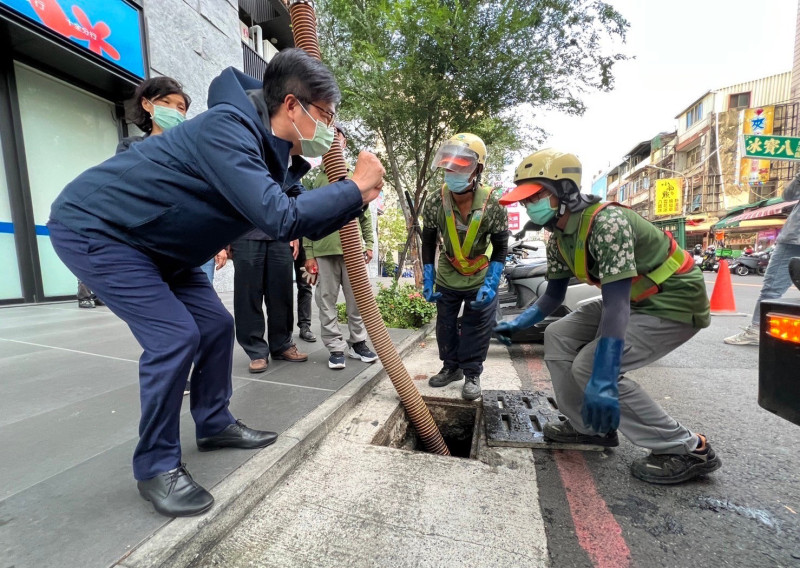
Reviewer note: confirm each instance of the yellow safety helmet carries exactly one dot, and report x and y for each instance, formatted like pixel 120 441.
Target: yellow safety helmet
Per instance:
pixel 547 164
pixel 462 153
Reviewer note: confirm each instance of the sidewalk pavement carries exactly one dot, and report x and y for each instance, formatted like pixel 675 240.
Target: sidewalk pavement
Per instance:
pixel 355 504
pixel 69 411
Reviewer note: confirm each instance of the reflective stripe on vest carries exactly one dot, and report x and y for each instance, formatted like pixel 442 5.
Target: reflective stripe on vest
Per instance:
pixel 460 259
pixel 678 261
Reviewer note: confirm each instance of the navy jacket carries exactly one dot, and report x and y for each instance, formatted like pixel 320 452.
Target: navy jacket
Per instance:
pixel 182 196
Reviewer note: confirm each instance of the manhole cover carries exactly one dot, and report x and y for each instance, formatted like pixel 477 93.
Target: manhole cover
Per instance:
pixel 515 419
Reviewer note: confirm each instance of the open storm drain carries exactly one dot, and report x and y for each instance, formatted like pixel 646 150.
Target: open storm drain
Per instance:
pixel 516 418
pixel 456 421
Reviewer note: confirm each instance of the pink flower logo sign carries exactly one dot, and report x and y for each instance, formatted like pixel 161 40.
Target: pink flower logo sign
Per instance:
pixel 53 16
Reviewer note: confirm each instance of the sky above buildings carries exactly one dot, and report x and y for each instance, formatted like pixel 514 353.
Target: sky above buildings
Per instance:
pixel 682 49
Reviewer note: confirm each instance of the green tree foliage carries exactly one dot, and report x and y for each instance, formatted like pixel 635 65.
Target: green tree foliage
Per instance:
pixel 392 231
pixel 414 72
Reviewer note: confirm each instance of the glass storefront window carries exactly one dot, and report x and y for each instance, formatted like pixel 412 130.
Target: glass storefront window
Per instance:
pixel 10 286
pixel 66 130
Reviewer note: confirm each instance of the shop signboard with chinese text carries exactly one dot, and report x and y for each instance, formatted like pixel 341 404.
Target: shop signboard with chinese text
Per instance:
pixel 756 121
pixel 669 196
pixel 111 29
pixel 772 147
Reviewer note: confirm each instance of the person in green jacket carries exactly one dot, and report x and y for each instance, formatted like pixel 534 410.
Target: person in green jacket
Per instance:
pixel 325 268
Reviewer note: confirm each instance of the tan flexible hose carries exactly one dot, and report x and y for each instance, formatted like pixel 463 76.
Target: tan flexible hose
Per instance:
pixel 304 27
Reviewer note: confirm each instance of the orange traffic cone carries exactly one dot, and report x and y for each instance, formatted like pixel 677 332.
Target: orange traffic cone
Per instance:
pixel 722 296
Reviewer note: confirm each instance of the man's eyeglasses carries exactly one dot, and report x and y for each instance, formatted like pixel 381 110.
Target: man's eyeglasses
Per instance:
pixel 331 115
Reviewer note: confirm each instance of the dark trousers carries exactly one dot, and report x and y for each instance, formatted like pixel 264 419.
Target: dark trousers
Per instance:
pixel 304 292
pixel 463 348
pixel 263 275
pixel 178 320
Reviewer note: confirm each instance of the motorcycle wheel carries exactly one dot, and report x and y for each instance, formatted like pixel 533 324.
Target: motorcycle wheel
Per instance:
pixel 761 270
pixel 742 270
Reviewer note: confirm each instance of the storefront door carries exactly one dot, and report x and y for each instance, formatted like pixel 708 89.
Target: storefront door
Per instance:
pixel 65 130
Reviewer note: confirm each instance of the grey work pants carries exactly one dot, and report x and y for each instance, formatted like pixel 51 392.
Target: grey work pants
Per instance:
pixel 569 346
pixel 332 276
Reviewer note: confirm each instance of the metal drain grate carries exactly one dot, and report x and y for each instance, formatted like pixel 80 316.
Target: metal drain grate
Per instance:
pixel 515 419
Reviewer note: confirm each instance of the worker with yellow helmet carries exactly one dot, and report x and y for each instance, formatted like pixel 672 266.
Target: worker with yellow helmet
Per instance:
pixel 469 218
pixel 653 300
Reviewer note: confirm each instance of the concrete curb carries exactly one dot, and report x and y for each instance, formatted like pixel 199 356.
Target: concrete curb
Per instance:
pixel 180 542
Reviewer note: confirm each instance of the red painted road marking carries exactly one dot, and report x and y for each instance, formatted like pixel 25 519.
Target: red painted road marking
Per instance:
pixel 596 528
pixel 536 368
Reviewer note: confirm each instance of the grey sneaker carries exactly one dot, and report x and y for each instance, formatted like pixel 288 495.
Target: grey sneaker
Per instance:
pixel 564 433
pixel 472 387
pixel 445 377
pixel 747 337
pixel 668 469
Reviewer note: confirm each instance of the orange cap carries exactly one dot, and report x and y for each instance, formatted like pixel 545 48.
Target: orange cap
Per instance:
pixel 521 192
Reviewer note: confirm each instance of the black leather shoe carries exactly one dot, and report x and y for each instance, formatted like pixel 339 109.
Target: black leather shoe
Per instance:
pixel 175 494
pixel 306 335
pixel 237 435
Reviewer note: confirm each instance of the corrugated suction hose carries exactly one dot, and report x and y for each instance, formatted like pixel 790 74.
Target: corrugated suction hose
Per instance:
pixel 304 27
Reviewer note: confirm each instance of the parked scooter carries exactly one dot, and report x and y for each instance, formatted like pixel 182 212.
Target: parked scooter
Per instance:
pixel 744 265
pixel 750 264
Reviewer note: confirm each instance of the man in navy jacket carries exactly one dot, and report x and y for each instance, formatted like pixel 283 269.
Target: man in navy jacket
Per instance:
pixel 136 228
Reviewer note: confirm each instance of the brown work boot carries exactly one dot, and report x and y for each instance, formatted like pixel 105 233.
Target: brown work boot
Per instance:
pixel 258 365
pixel 292 354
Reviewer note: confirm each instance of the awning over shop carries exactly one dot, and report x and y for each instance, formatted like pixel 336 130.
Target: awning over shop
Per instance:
pixel 768 211
pixel 700 223
pixel 755 213
pixel 762 223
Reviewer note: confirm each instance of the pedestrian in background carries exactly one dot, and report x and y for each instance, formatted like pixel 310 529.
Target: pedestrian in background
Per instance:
pixel 137 227
pixel 325 267
pixel 263 278
pixel 87 298
pixel 776 279
pixel 215 263
pixel 305 294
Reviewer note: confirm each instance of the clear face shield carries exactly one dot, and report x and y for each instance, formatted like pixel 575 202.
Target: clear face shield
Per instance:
pixel 456 158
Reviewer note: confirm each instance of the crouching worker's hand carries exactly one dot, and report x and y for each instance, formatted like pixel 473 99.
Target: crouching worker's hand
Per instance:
pixel 368 176
pixel 428 278
pixel 601 397
pixel 505 329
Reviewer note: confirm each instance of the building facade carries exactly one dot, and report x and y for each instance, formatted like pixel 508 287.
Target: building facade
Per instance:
pixel 67 71
pixel 703 158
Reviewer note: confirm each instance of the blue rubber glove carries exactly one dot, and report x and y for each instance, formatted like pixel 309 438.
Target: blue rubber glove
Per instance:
pixel 488 291
pixel 428 278
pixel 505 329
pixel 601 397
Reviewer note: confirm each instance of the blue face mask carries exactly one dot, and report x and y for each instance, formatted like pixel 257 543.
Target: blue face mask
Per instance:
pixel 541 212
pixel 166 117
pixel 457 183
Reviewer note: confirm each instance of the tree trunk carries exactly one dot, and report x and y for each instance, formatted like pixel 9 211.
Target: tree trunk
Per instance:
pixel 398 187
